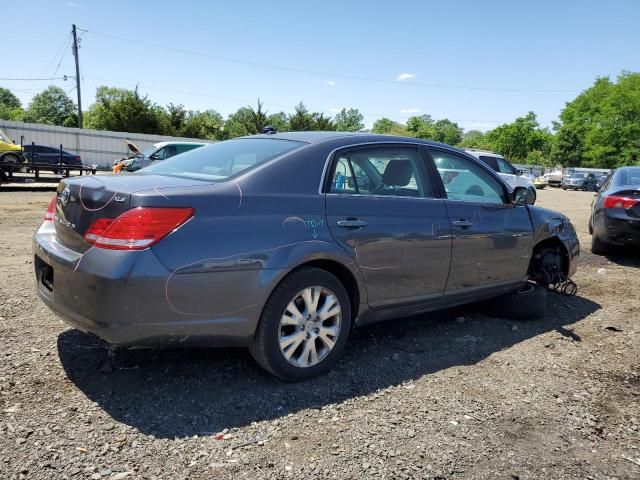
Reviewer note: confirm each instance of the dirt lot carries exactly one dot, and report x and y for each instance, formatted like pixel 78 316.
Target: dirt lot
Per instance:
pixel 449 395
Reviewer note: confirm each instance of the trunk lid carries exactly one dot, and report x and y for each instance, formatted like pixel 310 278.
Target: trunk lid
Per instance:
pixel 81 201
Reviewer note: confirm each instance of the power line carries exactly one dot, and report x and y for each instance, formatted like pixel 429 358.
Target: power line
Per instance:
pixel 64 51
pixel 319 73
pixel 33 79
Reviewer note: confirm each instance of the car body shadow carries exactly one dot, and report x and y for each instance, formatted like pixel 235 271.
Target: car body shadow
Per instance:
pixel 624 256
pixel 183 392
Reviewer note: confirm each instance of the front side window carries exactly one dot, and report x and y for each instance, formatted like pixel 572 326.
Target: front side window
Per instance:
pixel 159 155
pixel 465 181
pixel 380 171
pixel 221 160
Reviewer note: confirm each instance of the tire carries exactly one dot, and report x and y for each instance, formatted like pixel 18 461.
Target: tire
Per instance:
pixel 590 227
pixel 527 303
pixel 535 194
pixel 266 345
pixel 598 247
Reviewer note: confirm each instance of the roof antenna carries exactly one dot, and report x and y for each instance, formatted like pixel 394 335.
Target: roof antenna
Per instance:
pixel 269 130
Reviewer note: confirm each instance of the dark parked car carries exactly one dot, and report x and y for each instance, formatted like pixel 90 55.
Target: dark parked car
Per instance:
pixel 284 242
pixel 50 155
pixel 600 181
pixel 579 181
pixel 615 211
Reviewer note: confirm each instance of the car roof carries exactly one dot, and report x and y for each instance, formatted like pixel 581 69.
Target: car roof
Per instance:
pixel 314 137
pixel 476 151
pixel 164 144
pixel 45 145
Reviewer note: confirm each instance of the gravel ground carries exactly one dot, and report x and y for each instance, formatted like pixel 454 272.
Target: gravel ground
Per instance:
pixel 449 395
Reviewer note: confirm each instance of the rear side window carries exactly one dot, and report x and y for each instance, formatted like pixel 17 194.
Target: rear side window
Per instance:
pixel 380 171
pixel 491 161
pixel 185 148
pixel 223 159
pixel 465 181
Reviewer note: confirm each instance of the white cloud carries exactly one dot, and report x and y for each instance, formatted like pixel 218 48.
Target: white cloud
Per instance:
pixel 410 110
pixel 406 76
pixel 331 83
pixel 71 4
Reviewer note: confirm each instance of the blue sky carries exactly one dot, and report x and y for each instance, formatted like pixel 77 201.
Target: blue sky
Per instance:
pixel 467 56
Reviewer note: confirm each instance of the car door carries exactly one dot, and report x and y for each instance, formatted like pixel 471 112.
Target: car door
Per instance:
pixel 492 238
pixel 49 155
pixel 383 208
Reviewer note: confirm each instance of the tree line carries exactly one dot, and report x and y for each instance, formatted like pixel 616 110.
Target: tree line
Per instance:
pixel 599 128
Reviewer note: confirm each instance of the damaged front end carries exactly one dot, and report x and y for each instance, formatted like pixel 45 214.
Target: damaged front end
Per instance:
pixel 556 251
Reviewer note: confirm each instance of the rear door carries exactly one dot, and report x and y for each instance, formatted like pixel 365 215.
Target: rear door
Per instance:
pixel 383 208
pixel 492 238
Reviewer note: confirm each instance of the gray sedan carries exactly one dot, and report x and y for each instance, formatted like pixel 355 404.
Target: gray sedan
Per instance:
pixel 283 243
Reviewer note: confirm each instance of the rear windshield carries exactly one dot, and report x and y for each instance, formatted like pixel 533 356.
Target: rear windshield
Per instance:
pixel 223 159
pixel 576 175
pixel 629 176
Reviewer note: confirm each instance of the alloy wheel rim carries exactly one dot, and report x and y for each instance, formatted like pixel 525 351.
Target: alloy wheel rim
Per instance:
pixel 309 326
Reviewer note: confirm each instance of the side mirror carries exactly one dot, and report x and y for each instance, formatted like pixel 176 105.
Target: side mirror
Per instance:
pixel 523 196
pixel 519 172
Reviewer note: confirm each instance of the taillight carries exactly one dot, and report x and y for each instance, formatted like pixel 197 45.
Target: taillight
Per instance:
pixel 613 201
pixel 78 159
pixel 51 209
pixel 96 229
pixel 137 228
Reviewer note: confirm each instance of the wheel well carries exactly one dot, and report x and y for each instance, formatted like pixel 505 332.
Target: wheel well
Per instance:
pixel 344 275
pixel 539 256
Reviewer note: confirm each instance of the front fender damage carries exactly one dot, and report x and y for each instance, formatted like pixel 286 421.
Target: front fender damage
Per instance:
pixel 556 250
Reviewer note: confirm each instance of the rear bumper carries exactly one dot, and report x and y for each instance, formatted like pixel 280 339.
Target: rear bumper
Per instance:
pixel 619 229
pixel 130 298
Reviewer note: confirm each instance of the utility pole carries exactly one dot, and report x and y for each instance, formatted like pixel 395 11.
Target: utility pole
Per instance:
pixel 75 54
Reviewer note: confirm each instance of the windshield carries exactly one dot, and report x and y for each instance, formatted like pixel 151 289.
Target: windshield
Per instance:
pixel 147 152
pixel 223 159
pixel 4 137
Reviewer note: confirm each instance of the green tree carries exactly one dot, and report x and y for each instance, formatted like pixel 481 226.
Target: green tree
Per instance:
pixel 301 120
pixel 322 123
pixel 125 110
pixel 349 120
pixel 258 119
pixel 279 121
pixel 446 131
pixel 473 139
pixel 515 140
pixel 387 126
pixel 54 107
pixel 10 106
pixel 238 124
pixel 602 124
pixel 177 116
pixel 421 126
pixel 207 125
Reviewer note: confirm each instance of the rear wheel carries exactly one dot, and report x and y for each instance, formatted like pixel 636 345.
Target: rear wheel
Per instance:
pixel 304 325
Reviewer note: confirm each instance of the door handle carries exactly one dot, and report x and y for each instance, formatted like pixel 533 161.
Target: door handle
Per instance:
pixel 352 223
pixel 462 223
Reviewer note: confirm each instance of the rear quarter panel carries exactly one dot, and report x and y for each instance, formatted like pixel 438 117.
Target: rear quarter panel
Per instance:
pixel 245 237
